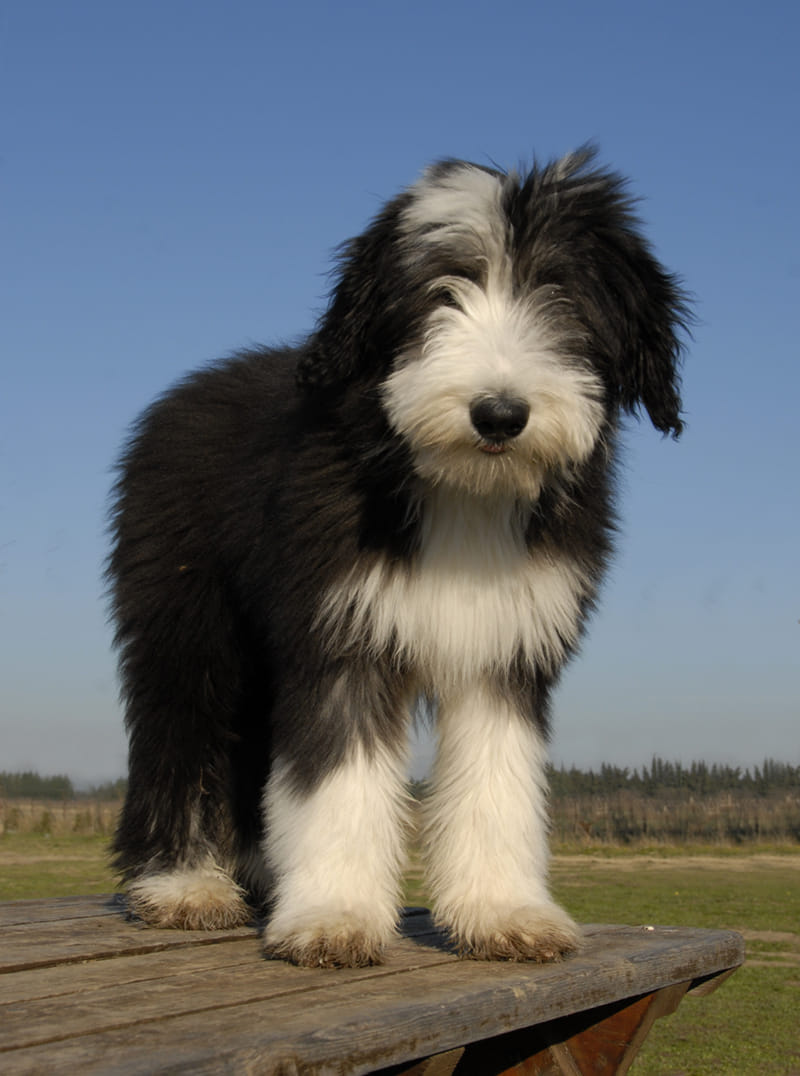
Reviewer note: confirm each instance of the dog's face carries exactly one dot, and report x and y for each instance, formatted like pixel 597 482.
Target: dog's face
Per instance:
pixel 505 320
pixel 494 391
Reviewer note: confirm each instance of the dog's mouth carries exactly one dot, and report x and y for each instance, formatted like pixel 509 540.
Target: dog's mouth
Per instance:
pixel 493 448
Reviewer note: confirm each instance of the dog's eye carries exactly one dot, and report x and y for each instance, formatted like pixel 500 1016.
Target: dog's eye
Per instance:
pixel 448 297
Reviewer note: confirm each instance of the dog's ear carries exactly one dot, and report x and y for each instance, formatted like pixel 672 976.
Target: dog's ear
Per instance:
pixel 643 319
pixel 635 312
pixel 359 330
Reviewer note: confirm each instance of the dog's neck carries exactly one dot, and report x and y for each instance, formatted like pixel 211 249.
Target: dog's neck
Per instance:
pixel 457 524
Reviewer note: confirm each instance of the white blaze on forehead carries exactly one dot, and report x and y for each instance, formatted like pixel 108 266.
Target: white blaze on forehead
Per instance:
pixel 462 204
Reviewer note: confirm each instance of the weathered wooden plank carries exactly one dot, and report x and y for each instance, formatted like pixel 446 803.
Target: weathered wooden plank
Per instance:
pixel 57 909
pixel 361 1021
pixel 44 941
pixel 51 982
pixel 48 982
pixel 95 938
pixel 105 995
pixel 357 1027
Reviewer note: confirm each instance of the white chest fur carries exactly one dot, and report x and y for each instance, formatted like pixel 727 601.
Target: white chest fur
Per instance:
pixel 470 603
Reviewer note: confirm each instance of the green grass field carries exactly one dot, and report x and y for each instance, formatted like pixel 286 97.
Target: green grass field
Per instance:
pixel 749 1026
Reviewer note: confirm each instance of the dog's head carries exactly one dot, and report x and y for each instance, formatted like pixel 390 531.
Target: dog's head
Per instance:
pixel 505 320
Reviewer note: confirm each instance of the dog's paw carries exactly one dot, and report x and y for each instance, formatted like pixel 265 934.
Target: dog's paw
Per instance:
pixel 542 933
pixel 344 941
pixel 189 898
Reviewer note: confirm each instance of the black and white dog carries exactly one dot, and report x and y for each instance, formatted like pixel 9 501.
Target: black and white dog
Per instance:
pixel 414 503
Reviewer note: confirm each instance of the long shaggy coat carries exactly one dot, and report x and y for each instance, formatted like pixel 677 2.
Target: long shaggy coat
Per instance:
pixel 415 503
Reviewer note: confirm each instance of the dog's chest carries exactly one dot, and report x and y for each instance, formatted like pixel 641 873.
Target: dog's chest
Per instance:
pixel 473 601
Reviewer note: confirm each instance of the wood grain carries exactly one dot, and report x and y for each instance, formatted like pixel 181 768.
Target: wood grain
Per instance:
pixel 84 989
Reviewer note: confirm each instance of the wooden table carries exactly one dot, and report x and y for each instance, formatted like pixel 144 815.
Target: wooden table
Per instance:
pixel 83 990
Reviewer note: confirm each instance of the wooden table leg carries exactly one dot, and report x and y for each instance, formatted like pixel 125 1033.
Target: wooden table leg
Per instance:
pixel 603 1041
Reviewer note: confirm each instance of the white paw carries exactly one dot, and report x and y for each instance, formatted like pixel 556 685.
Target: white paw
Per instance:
pixel 189 898
pixel 328 940
pixel 538 932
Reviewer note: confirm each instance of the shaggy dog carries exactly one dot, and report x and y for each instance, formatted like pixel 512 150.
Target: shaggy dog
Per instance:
pixel 415 503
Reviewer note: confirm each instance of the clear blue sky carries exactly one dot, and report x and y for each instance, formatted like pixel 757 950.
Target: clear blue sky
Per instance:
pixel 174 177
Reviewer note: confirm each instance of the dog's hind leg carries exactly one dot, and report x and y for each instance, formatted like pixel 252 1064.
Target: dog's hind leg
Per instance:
pixel 173 847
pixel 202 896
pixel 176 844
pixel 486 832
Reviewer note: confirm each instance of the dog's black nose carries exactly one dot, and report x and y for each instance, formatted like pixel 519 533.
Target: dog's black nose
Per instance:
pixel 498 418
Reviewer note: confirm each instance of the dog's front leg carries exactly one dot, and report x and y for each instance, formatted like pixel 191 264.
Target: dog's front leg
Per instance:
pixel 335 845
pixel 486 832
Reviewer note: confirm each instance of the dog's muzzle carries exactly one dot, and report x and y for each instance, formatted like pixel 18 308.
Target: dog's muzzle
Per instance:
pixel 498 419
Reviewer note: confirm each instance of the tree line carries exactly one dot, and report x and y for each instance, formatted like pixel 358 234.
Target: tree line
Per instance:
pixel 662 776
pixel 30 785
pixel 658 778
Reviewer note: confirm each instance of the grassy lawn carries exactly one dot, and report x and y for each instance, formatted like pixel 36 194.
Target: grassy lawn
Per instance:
pixel 749 1026
pixel 33 865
